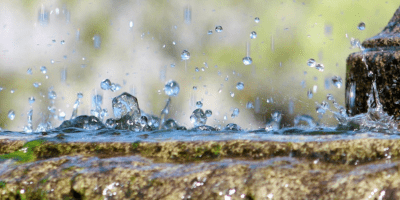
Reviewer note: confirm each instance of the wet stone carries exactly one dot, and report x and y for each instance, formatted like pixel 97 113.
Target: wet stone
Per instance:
pixel 379 61
pixel 239 169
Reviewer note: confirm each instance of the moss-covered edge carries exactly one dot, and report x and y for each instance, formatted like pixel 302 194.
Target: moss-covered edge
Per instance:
pixel 344 151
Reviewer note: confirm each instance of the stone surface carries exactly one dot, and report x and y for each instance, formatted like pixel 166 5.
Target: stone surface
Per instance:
pixel 382 58
pixel 344 169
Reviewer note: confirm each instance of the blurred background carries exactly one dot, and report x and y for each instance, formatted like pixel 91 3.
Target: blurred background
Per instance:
pixel 138 45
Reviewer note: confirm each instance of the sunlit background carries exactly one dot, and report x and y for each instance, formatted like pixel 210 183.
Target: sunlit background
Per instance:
pixel 138 45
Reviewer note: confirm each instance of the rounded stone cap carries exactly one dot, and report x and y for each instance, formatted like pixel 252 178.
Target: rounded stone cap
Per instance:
pixel 389 37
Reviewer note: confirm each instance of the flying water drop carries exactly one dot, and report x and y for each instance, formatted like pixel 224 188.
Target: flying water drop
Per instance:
pixel 96 41
pixel 106 84
pixel 185 55
pixel 337 81
pixel 218 29
pixel 52 95
pixel 199 104
pixel 31 100
pixel 320 67
pixel 209 32
pixel 361 26
pixel 240 86
pixel 253 35
pixel 171 88
pixel 256 19
pixel 11 114
pixel 235 112
pixel 311 62
pixel 247 60
pixel 43 69
pixel 249 105
pixel 309 94
pixel 208 113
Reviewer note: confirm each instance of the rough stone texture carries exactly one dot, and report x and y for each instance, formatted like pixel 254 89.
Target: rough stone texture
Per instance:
pixel 382 56
pixel 385 65
pixel 389 37
pixel 345 169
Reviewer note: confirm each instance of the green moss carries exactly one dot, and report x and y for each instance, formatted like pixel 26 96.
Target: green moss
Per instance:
pixel 3 184
pixel 135 145
pixel 216 149
pixel 25 154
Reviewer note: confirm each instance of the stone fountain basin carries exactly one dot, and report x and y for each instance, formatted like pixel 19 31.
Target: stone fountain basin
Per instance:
pixel 352 166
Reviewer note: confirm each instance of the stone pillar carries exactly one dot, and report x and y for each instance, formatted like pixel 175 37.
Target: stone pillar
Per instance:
pixel 380 61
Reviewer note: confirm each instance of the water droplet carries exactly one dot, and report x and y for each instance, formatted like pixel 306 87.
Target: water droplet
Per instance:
pixel 208 113
pixel 253 35
pixel 194 88
pixel 187 15
pixel 173 65
pixel 209 32
pixel 11 114
pixel 131 24
pixel 311 62
pixel 232 94
pixel 240 86
pixel 173 43
pixel 43 16
pixel 96 41
pixel 198 117
pixel 43 69
pixel 185 55
pixel 171 88
pixel 196 69
pixel 170 124
pixel 115 87
pixel 247 60
pixel 12 91
pixel 330 97
pixel 126 104
pixel 202 69
pixel 106 84
pixel 62 42
pixel 31 100
pixel 337 81
pixel 218 29
pixel 1 88
pixel 29 71
pixel 52 95
pixel 370 74
pixel 256 19
pixel 249 105
pixel 61 116
pixel 320 67
pixel 355 43
pixel 79 95
pixel 275 122
pixel 199 104
pixel 361 26
pixel 235 112
pixel 37 84
pixel 309 94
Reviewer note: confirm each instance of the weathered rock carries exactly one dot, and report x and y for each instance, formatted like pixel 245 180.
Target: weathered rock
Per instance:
pixel 382 63
pixel 344 169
